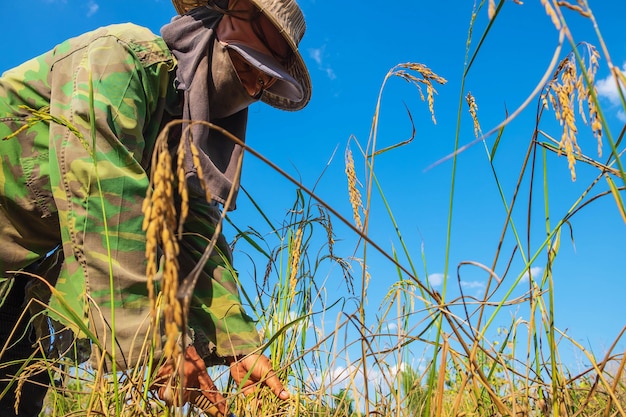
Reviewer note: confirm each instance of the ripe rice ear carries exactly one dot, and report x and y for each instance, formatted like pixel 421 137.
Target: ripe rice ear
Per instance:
pixel 353 191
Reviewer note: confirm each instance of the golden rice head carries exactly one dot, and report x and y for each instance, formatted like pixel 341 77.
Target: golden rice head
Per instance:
pixel 160 224
pixel 187 145
pixel 182 186
pixel 565 95
pixel 328 225
pixel 473 109
pixel 296 253
pixel 172 310
pixel 569 91
pixel 196 162
pixel 551 13
pixel 353 191
pixel 32 368
pixel 561 96
pixel 492 9
pixel 580 8
pixel 18 393
pixel 427 78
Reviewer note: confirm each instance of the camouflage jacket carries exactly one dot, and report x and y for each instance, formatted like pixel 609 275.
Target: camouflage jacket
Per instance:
pixel 74 176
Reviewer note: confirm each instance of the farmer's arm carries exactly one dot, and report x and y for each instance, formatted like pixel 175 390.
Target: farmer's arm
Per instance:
pixel 223 331
pixel 112 92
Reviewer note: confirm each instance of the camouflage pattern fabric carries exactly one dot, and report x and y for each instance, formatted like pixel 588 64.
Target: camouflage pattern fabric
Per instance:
pixel 82 191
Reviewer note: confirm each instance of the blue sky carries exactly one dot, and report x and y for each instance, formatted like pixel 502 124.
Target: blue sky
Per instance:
pixel 349 47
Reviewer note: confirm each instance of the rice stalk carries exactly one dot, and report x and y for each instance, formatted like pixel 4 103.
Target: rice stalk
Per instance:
pixel 419 75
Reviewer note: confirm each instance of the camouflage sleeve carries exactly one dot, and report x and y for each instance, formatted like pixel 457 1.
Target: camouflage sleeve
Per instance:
pixel 110 86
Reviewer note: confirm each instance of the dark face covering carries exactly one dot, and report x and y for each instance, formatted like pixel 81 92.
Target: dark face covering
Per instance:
pixel 211 92
pixel 227 95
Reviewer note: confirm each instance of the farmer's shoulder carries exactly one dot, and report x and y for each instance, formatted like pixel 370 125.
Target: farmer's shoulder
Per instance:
pixel 139 40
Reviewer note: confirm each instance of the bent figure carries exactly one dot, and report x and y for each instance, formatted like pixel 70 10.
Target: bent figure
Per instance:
pixel 79 125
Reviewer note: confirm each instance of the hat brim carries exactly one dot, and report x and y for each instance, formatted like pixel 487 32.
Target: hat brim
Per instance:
pixel 285 86
pixel 295 68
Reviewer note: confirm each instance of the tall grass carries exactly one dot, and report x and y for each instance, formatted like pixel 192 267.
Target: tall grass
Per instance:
pixel 423 350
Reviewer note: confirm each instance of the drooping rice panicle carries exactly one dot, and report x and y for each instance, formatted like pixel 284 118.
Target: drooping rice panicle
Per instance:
pixel 428 77
pixel 160 224
pixel 569 91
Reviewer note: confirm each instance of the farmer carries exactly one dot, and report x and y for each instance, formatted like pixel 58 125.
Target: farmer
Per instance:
pixel 79 125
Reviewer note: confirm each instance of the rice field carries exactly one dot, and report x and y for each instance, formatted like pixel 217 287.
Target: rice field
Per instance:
pixel 422 348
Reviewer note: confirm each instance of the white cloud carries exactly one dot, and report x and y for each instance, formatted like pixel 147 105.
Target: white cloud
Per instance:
pixel 351 376
pixel 607 88
pixel 435 280
pixel 473 284
pixel 535 271
pixel 337 378
pixel 391 327
pixel 317 55
pixel 92 7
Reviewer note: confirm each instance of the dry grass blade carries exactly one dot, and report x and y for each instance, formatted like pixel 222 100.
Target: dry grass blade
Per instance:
pixel 618 198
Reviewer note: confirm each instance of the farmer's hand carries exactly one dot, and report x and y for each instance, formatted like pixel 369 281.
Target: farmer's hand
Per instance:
pixel 251 370
pixel 196 381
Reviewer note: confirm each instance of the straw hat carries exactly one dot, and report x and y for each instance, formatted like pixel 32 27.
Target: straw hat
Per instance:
pixel 289 21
